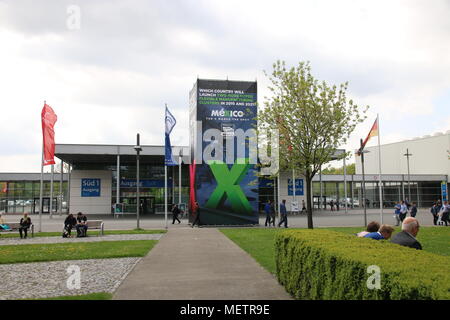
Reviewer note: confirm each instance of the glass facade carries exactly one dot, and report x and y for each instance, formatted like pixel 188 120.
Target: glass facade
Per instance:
pixel 151 190
pixel 23 196
pixel 424 193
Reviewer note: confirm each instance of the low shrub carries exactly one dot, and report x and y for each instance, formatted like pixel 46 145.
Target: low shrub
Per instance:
pixel 328 265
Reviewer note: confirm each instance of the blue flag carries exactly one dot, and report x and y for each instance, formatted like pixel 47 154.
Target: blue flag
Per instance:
pixel 170 123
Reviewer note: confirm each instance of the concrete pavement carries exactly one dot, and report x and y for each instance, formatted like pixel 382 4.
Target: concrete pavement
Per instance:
pixel 199 264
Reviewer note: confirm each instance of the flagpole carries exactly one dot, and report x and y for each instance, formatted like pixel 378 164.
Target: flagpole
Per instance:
pixel 51 190
pixel 179 178
pixel 165 194
pixel 379 172
pixel 165 178
pixel 41 189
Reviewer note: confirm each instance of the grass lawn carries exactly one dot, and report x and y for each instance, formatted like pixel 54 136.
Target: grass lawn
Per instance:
pixel 259 243
pixel 74 251
pixel 90 296
pixel 74 232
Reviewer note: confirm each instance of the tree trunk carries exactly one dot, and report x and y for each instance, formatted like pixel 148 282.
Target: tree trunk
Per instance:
pixel 308 200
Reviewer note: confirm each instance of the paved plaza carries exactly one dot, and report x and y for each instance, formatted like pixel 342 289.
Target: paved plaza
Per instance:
pixel 353 218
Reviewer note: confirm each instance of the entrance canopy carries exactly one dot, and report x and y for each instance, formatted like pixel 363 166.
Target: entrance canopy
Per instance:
pixel 107 154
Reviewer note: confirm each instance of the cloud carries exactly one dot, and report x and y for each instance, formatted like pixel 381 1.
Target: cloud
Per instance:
pixel 111 79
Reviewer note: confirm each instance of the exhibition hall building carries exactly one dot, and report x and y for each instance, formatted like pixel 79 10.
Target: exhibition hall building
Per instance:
pixel 102 179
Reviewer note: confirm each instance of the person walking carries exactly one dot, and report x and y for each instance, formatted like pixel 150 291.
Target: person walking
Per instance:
pixel 175 213
pixel 272 213
pixel 397 208
pixel 435 212
pixel 332 205
pixel 197 215
pixel 267 210
pixel 403 211
pixel 413 211
pixel 283 213
pixel 25 224
pixel 303 206
pixel 445 213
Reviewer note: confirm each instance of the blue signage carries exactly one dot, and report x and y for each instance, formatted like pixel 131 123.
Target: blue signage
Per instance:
pixel 90 187
pixel 145 183
pixel 444 190
pixel 298 187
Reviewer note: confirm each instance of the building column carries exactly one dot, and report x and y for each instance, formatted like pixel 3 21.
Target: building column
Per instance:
pixel 68 188
pixel 118 181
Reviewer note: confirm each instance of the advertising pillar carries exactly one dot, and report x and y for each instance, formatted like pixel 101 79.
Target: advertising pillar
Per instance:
pixel 223 143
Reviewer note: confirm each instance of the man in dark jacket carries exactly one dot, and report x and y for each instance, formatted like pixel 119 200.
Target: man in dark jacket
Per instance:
pixel 407 237
pixel 196 210
pixel 283 213
pixel 435 211
pixel 175 212
pixel 25 224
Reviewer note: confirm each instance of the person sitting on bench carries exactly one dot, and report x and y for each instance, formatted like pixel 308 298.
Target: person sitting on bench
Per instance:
pixel 81 225
pixel 69 223
pixel 25 224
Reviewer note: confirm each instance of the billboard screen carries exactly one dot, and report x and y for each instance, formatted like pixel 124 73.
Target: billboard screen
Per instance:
pixel 222 124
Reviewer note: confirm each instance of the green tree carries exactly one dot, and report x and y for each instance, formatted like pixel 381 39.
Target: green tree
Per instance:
pixel 313 118
pixel 331 170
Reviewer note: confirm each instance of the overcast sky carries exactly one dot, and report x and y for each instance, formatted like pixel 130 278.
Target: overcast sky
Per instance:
pixel 110 78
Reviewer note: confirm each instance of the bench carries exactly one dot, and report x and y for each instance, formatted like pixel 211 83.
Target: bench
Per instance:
pixel 95 225
pixel 15 228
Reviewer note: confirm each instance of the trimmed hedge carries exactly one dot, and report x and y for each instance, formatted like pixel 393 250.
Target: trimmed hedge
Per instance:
pixel 329 265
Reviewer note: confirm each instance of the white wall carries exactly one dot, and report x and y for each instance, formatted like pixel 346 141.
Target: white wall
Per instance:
pixel 284 190
pixel 430 155
pixel 91 205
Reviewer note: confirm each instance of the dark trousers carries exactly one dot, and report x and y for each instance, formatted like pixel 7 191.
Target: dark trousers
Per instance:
pixel 445 218
pixel 268 219
pixel 81 230
pixel 402 216
pixel 175 217
pixel 283 219
pixel 435 218
pixel 24 230
pixel 196 220
pixel 272 215
pixel 68 227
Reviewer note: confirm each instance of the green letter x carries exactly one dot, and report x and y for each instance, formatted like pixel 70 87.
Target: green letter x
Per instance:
pixel 228 183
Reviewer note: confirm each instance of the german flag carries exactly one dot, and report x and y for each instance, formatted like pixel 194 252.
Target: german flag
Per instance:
pixel 373 132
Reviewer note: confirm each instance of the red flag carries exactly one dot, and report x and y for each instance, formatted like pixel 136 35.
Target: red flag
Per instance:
pixel 48 134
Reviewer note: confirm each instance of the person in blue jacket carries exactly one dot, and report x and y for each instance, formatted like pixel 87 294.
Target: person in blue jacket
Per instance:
pixel 384 233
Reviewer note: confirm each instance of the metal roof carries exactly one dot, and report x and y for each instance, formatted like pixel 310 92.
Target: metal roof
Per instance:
pixel 107 154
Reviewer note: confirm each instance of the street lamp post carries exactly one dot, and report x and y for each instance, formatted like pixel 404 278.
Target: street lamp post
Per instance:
pixel 407 155
pixel 138 149
pixel 361 153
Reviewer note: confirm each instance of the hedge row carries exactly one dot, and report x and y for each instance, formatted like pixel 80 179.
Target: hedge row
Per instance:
pixel 323 264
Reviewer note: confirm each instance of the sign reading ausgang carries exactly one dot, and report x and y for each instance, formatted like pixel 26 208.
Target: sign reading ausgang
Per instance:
pixel 90 187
